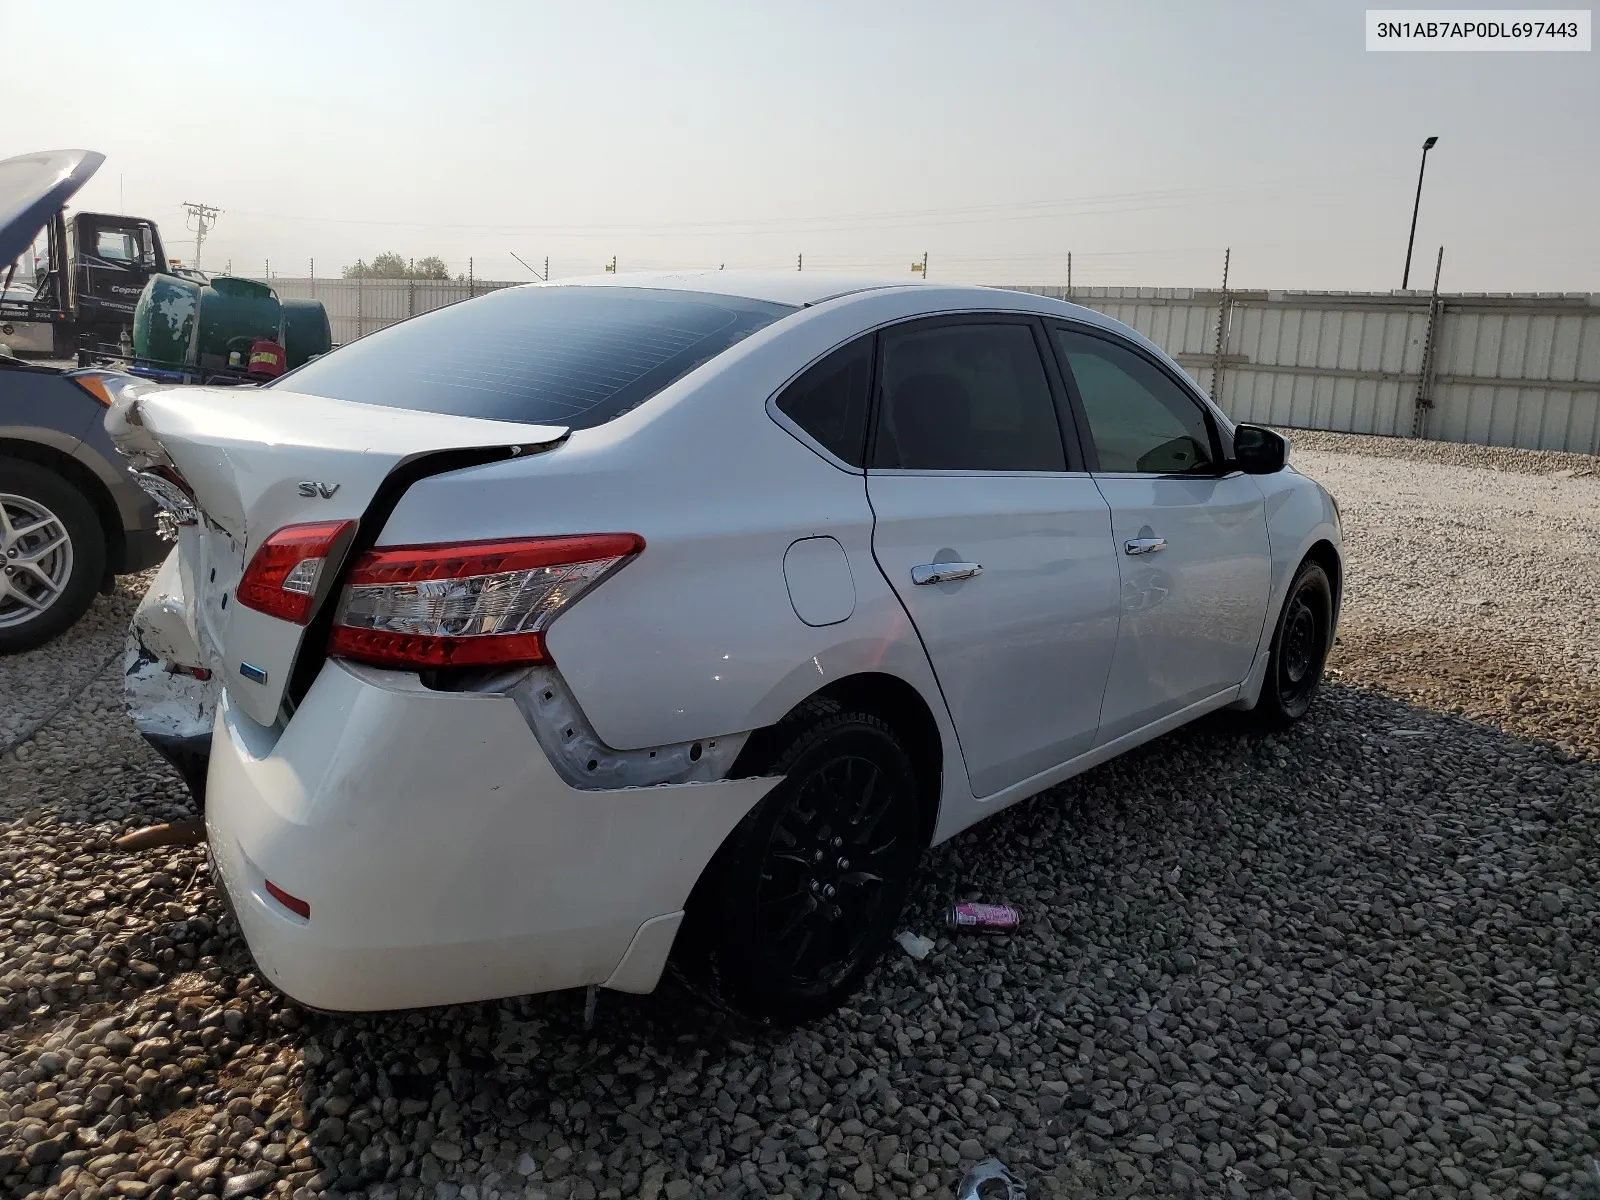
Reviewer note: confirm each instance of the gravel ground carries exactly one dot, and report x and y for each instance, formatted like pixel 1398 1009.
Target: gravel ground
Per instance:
pixel 34 685
pixel 1354 960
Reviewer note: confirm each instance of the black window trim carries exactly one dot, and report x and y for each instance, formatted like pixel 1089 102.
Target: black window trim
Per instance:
pixel 1221 441
pixel 1067 424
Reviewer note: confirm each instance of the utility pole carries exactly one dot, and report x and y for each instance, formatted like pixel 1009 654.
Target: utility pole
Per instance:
pixel 1405 280
pixel 200 218
pixel 1069 272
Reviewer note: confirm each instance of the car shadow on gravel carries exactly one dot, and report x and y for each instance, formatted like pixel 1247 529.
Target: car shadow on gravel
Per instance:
pixel 1355 958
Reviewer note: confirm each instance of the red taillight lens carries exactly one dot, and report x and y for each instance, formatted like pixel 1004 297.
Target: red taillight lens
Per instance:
pixel 281 579
pixel 471 603
pixel 293 903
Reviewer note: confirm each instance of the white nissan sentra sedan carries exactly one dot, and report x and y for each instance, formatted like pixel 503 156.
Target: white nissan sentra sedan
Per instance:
pixel 578 625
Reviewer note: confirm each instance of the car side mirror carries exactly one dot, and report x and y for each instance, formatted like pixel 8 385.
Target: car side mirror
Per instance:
pixel 1259 451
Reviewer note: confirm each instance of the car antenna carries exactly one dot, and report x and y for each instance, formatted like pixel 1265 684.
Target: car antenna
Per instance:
pixel 545 278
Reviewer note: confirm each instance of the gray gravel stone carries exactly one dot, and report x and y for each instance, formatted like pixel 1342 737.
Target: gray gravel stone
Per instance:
pixel 244 1185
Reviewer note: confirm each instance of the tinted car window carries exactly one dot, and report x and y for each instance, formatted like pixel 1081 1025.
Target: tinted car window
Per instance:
pixel 1141 421
pixel 966 398
pixel 829 401
pixel 573 356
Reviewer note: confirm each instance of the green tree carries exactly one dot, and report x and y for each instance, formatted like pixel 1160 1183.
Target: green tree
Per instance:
pixel 391 265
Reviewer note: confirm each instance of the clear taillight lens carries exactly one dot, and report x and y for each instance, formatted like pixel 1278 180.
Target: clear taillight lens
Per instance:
pixel 468 604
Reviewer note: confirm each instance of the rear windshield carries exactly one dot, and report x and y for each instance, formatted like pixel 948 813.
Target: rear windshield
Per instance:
pixel 573 356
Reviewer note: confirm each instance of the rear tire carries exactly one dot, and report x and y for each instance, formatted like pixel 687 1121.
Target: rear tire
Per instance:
pixel 801 899
pixel 1300 647
pixel 52 555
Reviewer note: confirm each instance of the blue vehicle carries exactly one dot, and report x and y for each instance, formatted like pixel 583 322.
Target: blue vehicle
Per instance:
pixel 72 517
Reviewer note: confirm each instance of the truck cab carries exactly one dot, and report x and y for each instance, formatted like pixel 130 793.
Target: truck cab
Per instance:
pixel 108 258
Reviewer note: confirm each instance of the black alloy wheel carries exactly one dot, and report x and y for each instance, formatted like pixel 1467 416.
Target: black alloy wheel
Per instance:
pixel 1299 649
pixel 804 894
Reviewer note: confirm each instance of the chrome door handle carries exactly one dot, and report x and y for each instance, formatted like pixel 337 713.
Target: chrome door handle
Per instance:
pixel 1144 545
pixel 944 572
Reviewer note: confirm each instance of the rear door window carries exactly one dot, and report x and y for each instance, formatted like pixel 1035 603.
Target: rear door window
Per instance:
pixel 572 356
pixel 959 397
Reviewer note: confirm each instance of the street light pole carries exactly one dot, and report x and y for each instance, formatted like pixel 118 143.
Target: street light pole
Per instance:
pixel 1405 280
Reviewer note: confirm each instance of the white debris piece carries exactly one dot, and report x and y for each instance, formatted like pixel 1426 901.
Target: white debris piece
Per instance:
pixel 914 944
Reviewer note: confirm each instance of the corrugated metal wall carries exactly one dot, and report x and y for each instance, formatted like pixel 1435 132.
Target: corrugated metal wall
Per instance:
pixel 1516 370
pixel 357 307
pixel 1512 376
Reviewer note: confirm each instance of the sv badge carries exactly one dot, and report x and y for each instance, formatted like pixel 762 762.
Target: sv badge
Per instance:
pixel 313 489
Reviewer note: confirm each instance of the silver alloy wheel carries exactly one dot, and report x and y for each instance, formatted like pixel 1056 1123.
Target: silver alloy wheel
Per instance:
pixel 36 554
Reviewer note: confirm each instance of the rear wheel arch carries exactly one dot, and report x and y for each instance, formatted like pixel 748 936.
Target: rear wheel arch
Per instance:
pixel 751 920
pixel 889 698
pixel 82 479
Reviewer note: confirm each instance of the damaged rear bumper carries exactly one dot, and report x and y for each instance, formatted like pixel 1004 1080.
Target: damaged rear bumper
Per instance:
pixel 170 694
pixel 438 853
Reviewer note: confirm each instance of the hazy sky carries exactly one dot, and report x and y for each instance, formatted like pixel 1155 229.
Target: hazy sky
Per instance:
pixel 994 136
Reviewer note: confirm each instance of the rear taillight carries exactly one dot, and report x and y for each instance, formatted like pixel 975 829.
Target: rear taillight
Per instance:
pixel 468 604
pixel 282 577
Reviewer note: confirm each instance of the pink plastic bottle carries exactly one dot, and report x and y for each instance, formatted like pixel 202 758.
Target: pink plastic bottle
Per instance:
pixel 983 918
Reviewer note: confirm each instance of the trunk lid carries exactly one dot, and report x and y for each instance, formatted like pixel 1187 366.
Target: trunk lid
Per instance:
pixel 32 188
pixel 255 461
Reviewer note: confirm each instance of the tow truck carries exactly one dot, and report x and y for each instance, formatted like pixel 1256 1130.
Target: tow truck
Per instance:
pixel 85 283
pixel 98 288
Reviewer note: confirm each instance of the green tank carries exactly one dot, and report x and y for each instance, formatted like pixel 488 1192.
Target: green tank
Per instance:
pixel 190 324
pixel 164 319
pixel 306 332
pixel 234 310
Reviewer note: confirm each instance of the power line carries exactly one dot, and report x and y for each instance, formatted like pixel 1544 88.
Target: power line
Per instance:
pixel 1133 201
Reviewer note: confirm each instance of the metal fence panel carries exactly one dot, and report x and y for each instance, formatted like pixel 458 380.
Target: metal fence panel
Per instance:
pixel 1519 377
pixel 1297 363
pixel 1507 370
pixel 357 307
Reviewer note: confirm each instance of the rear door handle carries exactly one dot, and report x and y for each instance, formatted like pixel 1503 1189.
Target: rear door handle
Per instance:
pixel 1144 545
pixel 944 572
